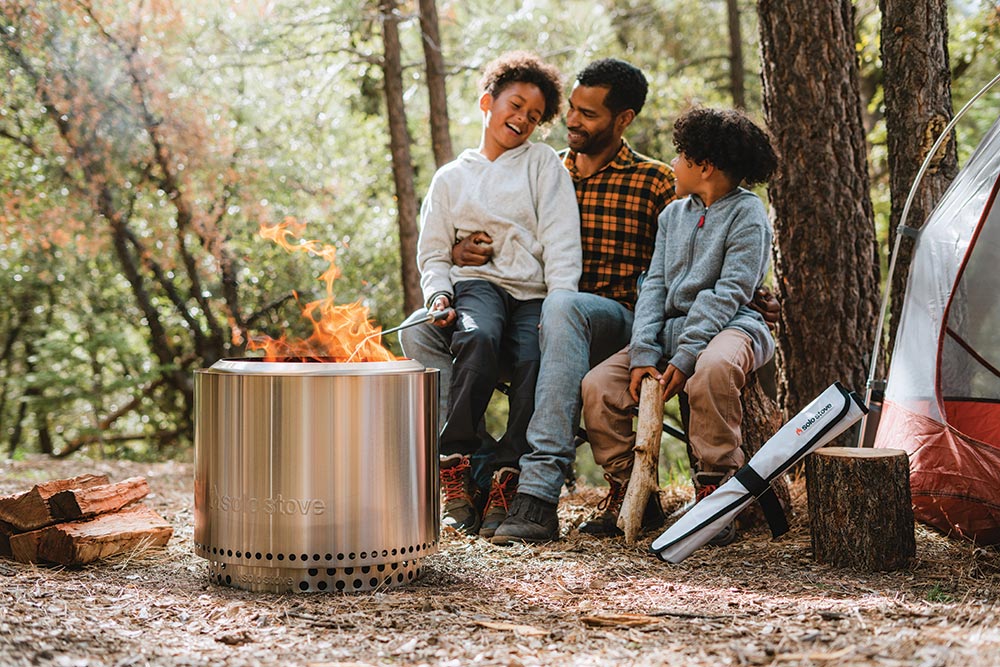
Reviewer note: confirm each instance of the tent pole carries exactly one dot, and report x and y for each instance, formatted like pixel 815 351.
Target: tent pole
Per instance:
pixel 873 388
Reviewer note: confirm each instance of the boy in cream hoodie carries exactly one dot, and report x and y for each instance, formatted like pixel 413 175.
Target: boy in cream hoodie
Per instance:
pixel 518 196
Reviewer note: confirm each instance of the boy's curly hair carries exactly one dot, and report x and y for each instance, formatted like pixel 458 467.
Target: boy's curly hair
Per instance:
pixel 729 140
pixel 626 84
pixel 524 67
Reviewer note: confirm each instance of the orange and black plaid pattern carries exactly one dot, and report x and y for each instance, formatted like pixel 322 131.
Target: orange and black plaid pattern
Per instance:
pixel 619 206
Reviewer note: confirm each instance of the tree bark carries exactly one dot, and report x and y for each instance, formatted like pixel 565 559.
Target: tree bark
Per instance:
pixel 402 163
pixel 735 55
pixel 917 85
pixel 826 259
pixel 859 507
pixel 436 89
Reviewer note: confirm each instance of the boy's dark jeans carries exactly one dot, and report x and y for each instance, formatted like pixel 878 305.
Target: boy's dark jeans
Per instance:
pixel 491 320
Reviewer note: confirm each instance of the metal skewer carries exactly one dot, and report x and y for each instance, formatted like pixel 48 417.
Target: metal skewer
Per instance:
pixel 430 317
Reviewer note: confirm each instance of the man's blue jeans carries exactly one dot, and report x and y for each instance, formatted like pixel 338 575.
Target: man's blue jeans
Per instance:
pixel 578 331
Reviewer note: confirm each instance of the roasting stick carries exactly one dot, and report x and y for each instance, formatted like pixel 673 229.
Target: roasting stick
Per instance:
pixel 430 317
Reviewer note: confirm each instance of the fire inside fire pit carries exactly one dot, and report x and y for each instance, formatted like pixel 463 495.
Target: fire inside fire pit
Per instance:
pixel 311 473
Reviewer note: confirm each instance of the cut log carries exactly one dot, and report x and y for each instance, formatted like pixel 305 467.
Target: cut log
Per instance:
pixel 860 512
pixel 81 503
pixel 83 542
pixel 645 479
pixel 30 510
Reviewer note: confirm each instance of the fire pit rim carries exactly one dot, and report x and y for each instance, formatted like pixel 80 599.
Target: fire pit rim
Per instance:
pixel 257 366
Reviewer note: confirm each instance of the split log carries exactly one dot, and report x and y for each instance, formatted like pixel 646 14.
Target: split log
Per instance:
pixel 860 512
pixel 645 480
pixel 30 510
pixel 81 503
pixel 83 542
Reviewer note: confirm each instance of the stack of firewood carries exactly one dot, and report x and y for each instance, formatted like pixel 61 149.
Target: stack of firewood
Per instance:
pixel 79 520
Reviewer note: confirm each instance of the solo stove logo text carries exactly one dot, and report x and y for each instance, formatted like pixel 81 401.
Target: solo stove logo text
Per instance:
pixel 271 505
pixel 812 420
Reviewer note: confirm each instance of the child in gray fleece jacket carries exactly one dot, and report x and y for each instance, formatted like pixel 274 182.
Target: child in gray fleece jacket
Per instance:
pixel 518 196
pixel 694 330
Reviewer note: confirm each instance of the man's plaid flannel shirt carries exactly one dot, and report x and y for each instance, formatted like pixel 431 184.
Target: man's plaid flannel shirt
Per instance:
pixel 619 206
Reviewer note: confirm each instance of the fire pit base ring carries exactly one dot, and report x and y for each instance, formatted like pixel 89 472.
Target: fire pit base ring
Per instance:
pixel 316 579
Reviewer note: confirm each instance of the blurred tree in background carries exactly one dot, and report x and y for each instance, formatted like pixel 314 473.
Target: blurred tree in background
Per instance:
pixel 142 145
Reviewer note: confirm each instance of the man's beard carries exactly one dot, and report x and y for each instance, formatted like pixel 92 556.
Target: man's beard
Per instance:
pixel 593 143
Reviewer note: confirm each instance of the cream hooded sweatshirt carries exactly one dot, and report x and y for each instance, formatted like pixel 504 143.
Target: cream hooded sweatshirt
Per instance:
pixel 525 201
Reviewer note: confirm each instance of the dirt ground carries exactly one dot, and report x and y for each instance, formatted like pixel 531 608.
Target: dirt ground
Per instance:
pixel 580 601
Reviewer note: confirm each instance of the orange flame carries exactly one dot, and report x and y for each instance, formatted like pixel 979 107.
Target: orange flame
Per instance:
pixel 340 332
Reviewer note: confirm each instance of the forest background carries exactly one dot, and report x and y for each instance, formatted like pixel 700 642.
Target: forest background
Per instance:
pixel 144 143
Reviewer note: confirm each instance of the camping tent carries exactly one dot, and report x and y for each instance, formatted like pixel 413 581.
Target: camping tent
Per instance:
pixel 942 401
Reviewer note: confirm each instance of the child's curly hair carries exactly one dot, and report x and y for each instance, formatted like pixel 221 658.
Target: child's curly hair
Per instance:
pixel 729 140
pixel 524 67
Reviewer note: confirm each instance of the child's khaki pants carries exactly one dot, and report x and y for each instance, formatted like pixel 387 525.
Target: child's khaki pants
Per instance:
pixel 713 393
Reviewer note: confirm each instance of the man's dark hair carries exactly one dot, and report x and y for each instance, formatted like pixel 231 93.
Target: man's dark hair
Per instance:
pixel 727 139
pixel 524 67
pixel 626 84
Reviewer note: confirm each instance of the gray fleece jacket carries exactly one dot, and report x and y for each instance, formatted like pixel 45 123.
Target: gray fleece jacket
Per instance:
pixel 525 201
pixel 701 281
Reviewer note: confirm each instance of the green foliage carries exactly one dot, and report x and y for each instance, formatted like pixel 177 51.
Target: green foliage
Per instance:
pixel 941 594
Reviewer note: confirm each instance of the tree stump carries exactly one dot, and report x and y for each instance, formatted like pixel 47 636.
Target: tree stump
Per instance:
pixel 860 512
pixel 645 479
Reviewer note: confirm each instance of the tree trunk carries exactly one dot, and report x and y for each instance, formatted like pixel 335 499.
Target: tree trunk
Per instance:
pixel 735 55
pixel 402 163
pixel 437 93
pixel 826 260
pixel 917 87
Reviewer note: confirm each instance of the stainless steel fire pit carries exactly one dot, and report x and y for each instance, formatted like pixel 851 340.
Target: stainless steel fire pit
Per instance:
pixel 315 476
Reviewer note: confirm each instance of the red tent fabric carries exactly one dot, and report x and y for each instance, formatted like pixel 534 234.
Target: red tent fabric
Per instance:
pixel 942 400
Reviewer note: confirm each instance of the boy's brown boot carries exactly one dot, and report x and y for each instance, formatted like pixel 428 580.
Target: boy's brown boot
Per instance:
pixel 503 486
pixel 459 494
pixel 604 522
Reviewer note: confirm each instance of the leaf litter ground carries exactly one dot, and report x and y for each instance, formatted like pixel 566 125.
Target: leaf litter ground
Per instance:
pixel 579 601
